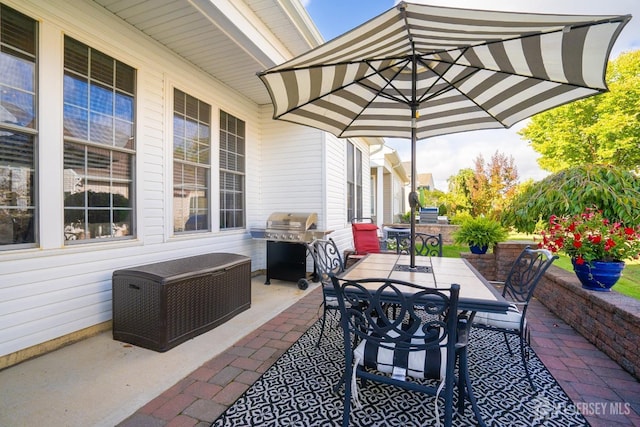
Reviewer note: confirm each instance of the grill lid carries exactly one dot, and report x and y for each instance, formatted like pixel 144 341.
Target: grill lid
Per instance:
pixel 292 221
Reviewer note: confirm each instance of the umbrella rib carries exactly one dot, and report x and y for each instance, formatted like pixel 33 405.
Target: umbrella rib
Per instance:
pixel 389 82
pixel 378 92
pixel 401 98
pixel 450 85
pixel 311 100
pixel 521 37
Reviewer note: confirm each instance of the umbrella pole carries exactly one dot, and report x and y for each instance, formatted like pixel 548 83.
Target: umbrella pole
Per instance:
pixel 413 196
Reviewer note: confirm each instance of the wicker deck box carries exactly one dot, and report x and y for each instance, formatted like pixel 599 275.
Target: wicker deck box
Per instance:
pixel 161 305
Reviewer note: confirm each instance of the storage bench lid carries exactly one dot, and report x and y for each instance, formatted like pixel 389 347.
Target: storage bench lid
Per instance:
pixel 177 269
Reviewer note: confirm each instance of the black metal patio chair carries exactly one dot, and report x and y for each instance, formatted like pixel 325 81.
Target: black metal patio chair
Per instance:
pixel 425 244
pixel 408 350
pixel 523 277
pixel 327 261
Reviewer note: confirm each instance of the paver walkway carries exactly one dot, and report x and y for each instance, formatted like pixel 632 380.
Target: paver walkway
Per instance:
pixel 601 389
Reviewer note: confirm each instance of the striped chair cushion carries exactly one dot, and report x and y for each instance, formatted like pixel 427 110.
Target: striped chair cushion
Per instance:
pixel 509 320
pixel 430 364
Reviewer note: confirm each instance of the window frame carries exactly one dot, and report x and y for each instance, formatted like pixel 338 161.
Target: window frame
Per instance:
pixel 227 157
pixel 354 184
pixel 26 195
pixel 196 164
pixel 107 135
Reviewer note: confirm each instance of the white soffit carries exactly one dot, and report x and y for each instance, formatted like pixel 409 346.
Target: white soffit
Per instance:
pixel 230 40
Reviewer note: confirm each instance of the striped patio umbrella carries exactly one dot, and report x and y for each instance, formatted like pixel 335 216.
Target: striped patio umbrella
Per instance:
pixel 418 71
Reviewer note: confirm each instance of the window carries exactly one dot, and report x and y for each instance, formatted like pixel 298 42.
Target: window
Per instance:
pixel 99 148
pixel 17 129
pixel 191 163
pixel 232 171
pixel 354 182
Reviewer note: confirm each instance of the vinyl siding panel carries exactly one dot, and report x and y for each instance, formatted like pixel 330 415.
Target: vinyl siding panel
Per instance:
pixel 337 190
pixel 292 162
pixel 56 290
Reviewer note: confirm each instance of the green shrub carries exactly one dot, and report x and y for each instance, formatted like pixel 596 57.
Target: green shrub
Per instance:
pixel 480 231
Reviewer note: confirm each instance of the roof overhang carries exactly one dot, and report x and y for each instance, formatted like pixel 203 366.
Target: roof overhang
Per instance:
pixel 229 39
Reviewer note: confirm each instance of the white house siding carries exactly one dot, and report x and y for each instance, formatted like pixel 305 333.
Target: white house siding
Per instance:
pixel 395 195
pixel 336 193
pixel 303 170
pixel 292 163
pixel 336 189
pixel 389 176
pixel 388 195
pixel 56 290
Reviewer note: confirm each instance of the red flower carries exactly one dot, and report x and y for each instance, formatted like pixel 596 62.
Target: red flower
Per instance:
pixel 589 236
pixel 609 244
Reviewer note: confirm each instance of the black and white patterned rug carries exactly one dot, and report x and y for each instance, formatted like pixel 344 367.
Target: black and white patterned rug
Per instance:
pixel 298 391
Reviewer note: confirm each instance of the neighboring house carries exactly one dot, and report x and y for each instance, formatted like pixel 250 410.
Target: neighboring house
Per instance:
pixel 389 180
pixel 425 181
pixel 137 131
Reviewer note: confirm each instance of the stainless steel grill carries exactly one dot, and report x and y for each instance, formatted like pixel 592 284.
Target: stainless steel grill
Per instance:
pixel 290 227
pixel 286 234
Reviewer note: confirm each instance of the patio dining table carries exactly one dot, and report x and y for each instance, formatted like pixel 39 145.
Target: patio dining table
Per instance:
pixel 476 293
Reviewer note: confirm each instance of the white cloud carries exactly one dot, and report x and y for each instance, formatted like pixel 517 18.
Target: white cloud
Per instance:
pixel 444 156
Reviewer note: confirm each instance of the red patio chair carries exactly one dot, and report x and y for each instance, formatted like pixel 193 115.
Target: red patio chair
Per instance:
pixel 365 240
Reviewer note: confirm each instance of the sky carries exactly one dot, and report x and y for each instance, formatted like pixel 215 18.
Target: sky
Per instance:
pixel 444 156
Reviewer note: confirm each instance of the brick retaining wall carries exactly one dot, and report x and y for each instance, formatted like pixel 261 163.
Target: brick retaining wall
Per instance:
pixel 609 320
pixel 484 263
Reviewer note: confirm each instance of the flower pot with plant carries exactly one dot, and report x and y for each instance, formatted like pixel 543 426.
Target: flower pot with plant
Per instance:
pixel 596 245
pixel 479 233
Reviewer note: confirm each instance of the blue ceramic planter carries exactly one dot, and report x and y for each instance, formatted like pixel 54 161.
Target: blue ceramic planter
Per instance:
pixel 478 249
pixel 598 275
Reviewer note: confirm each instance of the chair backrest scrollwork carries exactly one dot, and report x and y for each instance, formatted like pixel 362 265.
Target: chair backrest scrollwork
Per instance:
pixel 525 274
pixel 327 258
pixel 425 244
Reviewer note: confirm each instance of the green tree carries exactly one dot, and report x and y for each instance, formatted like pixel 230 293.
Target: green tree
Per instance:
pixel 433 198
pixel 479 187
pixel 611 189
pixel 493 184
pixel 459 195
pixel 599 129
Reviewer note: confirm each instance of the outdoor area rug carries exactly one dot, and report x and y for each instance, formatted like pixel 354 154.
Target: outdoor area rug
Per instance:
pixel 298 391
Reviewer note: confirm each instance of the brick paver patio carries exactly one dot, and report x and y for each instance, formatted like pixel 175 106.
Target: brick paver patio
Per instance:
pixel 601 389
